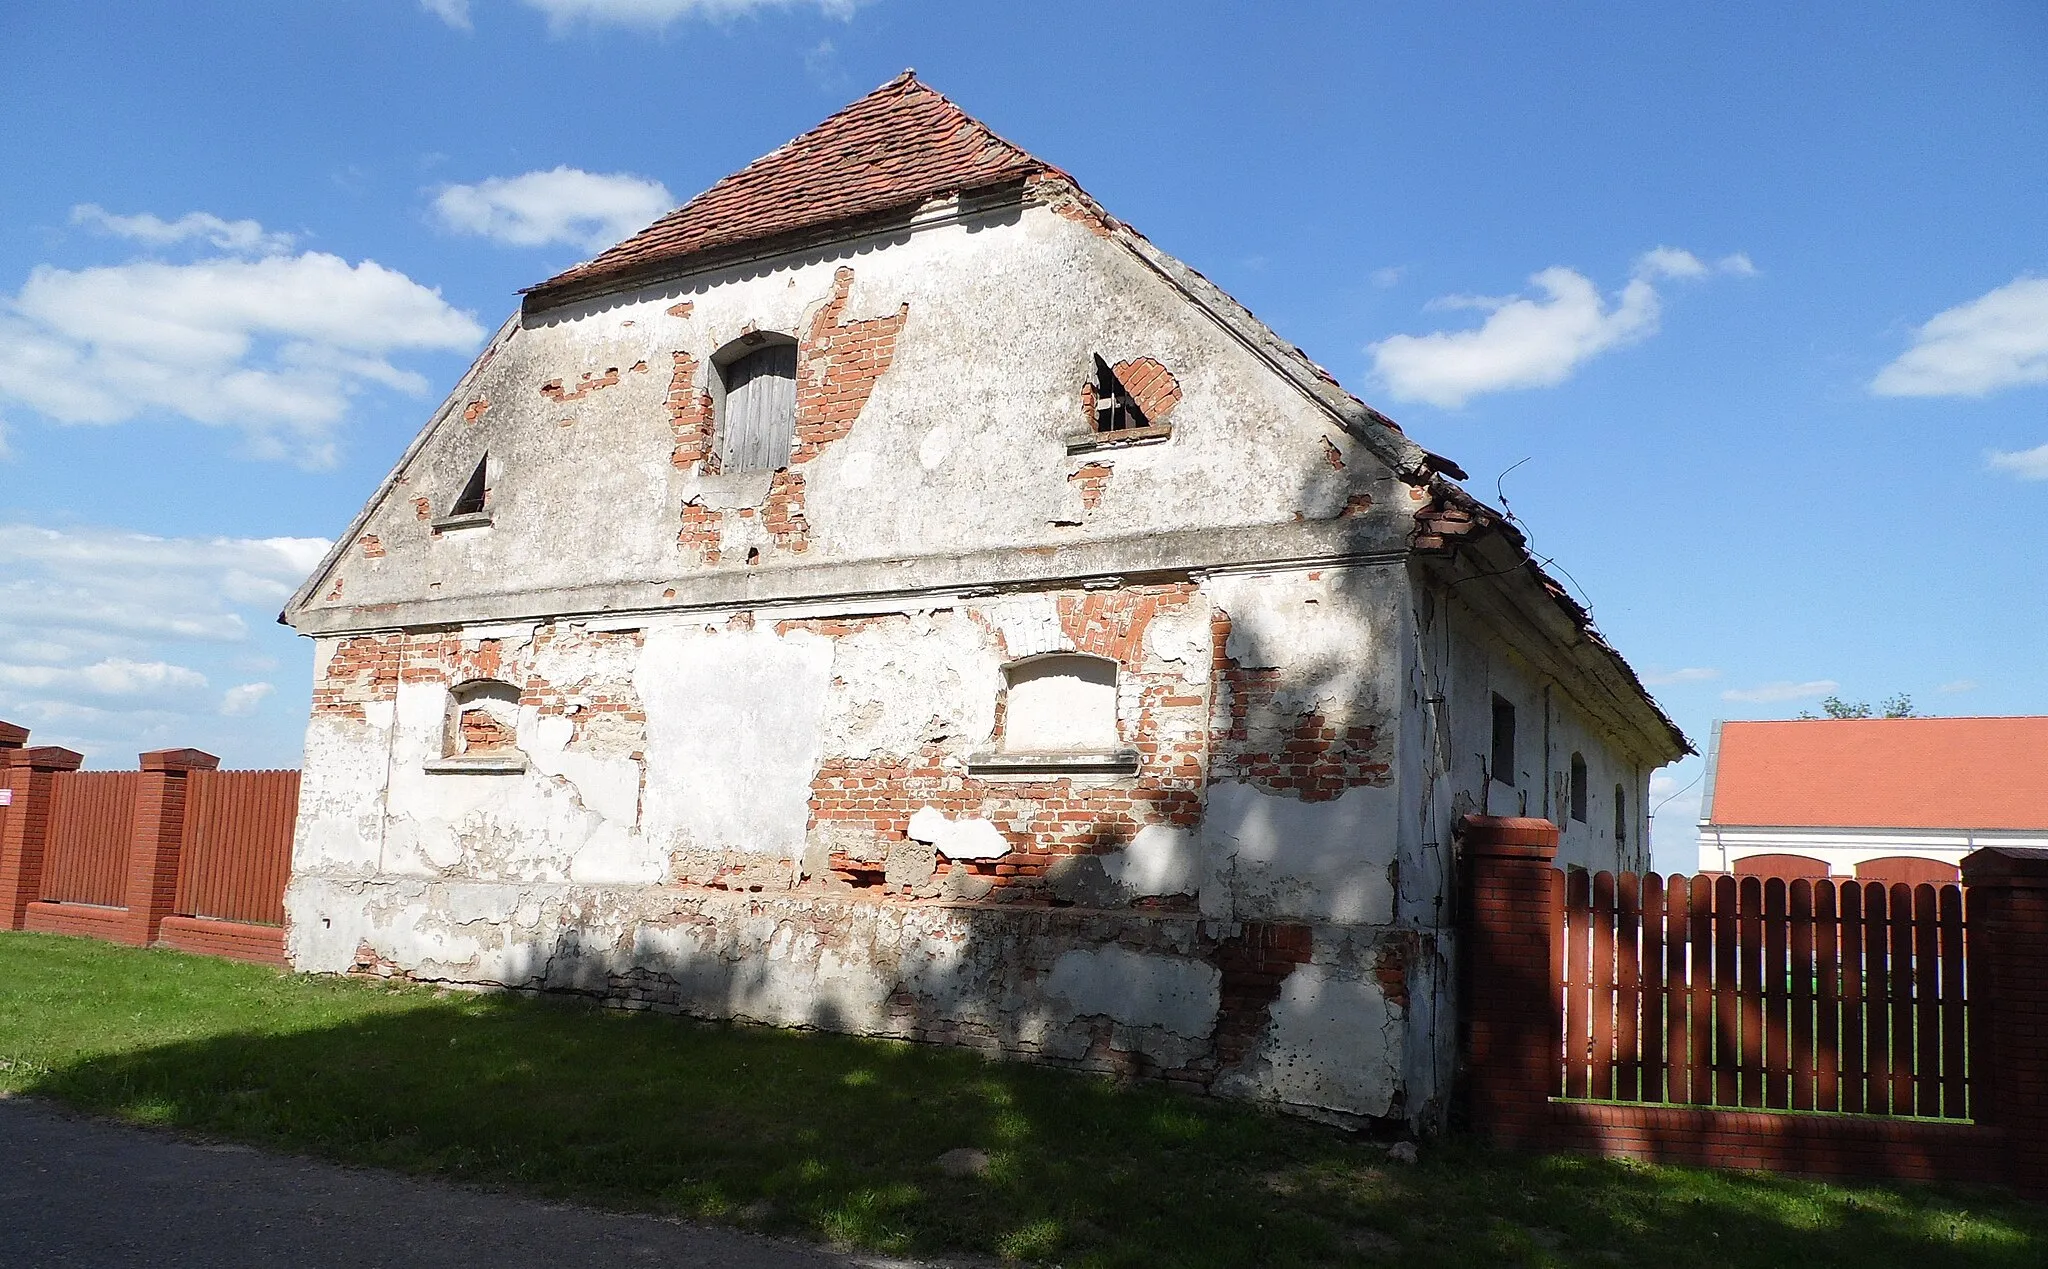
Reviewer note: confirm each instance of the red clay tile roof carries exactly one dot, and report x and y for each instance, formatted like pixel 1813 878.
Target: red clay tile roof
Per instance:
pixel 1883 773
pixel 901 145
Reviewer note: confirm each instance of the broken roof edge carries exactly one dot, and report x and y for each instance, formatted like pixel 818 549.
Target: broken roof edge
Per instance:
pixel 303 597
pixel 1452 518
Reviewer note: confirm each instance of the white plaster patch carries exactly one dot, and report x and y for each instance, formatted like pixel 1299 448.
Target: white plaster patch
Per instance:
pixel 933 451
pixel 958 839
pixel 1160 860
pixel 1330 1045
pixel 1283 858
pixel 608 786
pixel 733 737
pixel 1138 989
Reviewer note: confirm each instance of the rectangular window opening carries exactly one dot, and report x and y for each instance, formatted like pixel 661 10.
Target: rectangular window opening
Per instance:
pixel 475 493
pixel 1503 764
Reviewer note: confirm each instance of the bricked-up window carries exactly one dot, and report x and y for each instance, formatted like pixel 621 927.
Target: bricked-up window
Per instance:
pixel 1579 791
pixel 1060 704
pixel 1503 765
pixel 757 422
pixel 483 719
pixel 470 502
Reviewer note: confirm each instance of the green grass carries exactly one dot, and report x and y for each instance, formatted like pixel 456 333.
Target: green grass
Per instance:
pixel 835 1138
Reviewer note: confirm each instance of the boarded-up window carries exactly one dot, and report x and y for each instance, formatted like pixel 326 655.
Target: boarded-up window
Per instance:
pixel 1061 704
pixel 760 410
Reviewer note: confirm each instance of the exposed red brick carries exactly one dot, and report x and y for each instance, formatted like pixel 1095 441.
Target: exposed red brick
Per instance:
pixel 1151 385
pixel 585 385
pixel 1093 480
pixel 475 410
pixel 373 546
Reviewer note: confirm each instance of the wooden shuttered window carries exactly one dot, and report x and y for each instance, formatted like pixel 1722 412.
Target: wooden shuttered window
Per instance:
pixel 760 410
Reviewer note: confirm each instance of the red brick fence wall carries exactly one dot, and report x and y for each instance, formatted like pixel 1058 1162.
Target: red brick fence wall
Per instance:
pixel 178 853
pixel 1812 1027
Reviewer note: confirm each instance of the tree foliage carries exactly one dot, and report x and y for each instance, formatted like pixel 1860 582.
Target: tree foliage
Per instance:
pixel 1900 706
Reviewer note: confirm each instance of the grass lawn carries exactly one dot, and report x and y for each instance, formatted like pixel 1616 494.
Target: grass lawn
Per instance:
pixel 837 1138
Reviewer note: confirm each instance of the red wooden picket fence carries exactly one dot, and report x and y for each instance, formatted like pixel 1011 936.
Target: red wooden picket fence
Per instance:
pixel 178 852
pixel 1807 1025
pixel 237 845
pixel 92 817
pixel 1757 993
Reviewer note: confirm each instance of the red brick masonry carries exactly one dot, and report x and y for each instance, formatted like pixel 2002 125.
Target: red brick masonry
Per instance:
pixel 1512 897
pixel 154 853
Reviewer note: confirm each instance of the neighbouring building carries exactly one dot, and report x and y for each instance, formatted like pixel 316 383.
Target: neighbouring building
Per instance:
pixel 1874 799
pixel 889 594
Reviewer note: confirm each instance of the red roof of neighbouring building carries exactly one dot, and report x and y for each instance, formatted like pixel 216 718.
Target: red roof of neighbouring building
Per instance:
pixel 894 149
pixel 1883 773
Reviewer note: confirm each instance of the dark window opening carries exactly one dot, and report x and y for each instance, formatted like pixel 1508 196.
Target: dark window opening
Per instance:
pixel 1620 816
pixel 1579 787
pixel 1115 409
pixel 759 423
pixel 475 493
pixel 1503 767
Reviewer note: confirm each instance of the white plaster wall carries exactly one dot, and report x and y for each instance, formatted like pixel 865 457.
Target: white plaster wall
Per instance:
pixel 1334 635
pixel 1468 664
pixel 958 449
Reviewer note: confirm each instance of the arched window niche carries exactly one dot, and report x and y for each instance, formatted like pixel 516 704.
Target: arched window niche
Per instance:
pixel 753 388
pixel 479 734
pixel 1058 716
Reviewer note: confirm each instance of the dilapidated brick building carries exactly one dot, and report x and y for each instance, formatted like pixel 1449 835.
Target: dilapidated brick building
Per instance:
pixel 889 594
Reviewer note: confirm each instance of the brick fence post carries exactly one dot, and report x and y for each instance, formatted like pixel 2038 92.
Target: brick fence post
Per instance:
pixel 159 839
pixel 29 776
pixel 1512 899
pixel 2006 888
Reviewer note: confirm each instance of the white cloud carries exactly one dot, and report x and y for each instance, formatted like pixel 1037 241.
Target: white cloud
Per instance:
pixel 1535 342
pixel 1998 340
pixel 1669 262
pixel 1958 685
pixel 590 210
pixel 1691 674
pixel 454 12
pixel 2027 464
pixel 1738 264
pixel 241 236
pixel 113 677
pixel 1389 276
pixel 240 702
pixel 655 14
pixel 275 346
pixel 1767 693
pixel 109 639
pixel 103 590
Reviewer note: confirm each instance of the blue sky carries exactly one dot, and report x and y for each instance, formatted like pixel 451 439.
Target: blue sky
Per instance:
pixel 1752 293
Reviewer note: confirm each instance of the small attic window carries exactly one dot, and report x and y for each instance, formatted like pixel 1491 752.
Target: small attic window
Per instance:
pixel 471 501
pixel 1579 790
pixel 757 418
pixel 1115 409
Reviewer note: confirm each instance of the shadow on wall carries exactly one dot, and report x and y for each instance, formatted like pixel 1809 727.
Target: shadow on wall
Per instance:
pixel 840 1139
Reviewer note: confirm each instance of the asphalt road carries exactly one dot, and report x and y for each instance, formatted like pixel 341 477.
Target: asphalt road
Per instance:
pixel 87 1192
